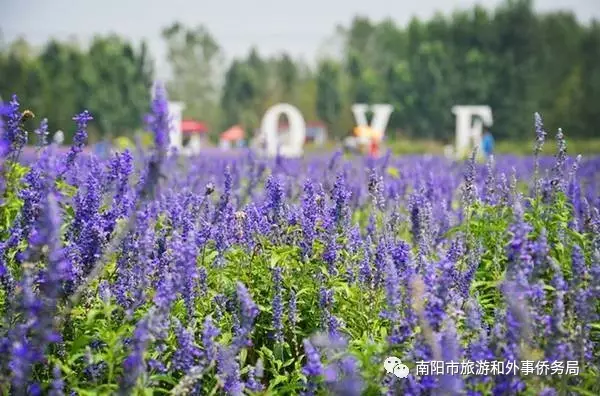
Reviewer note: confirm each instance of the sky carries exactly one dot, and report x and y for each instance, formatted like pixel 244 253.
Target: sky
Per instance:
pixel 302 28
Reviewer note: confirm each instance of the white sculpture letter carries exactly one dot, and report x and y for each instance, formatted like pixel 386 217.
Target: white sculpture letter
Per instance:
pixel 175 115
pixel 469 126
pixel 288 146
pixel 381 115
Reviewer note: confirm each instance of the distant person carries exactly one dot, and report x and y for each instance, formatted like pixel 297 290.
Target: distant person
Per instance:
pixel 59 137
pixel 487 144
pixel 351 145
pixel 376 137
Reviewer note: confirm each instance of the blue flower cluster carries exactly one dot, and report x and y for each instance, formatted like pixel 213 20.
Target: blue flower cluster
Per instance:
pixel 233 274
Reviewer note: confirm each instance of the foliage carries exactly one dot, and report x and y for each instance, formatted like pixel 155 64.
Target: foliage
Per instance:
pixel 511 58
pixel 110 77
pixel 196 60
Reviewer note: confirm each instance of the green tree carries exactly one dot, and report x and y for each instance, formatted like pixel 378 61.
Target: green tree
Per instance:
pixel 590 79
pixel 196 61
pixel 62 65
pixel 121 80
pixel 430 71
pixel 400 94
pixel 287 77
pixel 513 97
pixel 110 78
pixel 328 102
pixel 239 95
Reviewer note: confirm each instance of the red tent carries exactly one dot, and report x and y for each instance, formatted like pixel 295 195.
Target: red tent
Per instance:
pixel 233 134
pixel 192 127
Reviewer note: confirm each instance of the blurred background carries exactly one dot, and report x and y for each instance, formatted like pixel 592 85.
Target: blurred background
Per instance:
pixel 229 61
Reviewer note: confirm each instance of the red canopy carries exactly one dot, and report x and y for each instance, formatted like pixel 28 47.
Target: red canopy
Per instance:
pixel 193 127
pixel 234 133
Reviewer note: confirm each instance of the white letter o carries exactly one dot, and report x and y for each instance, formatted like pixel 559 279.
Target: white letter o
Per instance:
pixel 297 131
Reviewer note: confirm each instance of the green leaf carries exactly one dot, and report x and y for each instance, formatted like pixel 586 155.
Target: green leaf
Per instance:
pixel 80 343
pixel 583 392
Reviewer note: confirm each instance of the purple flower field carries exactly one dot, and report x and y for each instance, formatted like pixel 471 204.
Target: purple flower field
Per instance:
pixel 150 273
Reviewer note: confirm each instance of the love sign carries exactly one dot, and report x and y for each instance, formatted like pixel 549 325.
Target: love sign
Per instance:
pixel 470 120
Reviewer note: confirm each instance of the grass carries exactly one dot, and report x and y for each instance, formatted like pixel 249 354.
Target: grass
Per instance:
pixel 575 146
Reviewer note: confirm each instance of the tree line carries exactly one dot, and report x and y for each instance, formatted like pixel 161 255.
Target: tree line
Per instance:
pixel 111 78
pixel 511 58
